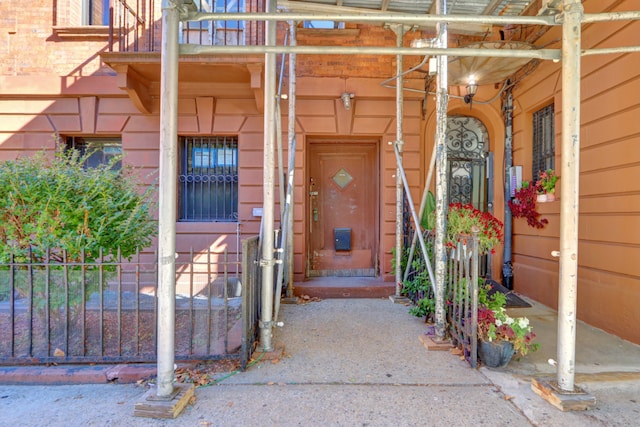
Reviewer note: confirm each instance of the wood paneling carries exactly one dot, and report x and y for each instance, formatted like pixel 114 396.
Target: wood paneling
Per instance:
pixel 609 224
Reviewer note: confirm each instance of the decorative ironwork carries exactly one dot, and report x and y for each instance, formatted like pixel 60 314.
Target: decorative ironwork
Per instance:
pixel 466 151
pixel 209 179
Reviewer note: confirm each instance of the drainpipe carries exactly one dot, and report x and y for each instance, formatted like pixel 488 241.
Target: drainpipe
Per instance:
pixel 167 199
pixel 569 195
pixel 267 262
pixel 399 30
pixel 507 266
pixel 441 173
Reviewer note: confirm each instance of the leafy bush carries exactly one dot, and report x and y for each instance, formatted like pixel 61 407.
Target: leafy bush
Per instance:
pixel 53 210
pixel 57 203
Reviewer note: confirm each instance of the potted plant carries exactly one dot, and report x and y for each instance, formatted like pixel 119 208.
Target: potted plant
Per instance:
pixel 500 336
pixel 546 186
pixel 523 205
pixel 463 219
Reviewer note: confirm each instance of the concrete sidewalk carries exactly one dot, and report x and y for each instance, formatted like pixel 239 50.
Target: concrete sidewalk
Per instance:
pixel 353 362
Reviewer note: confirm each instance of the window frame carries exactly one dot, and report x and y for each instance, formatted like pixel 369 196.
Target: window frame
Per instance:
pixel 543 150
pixel 208 170
pixel 83 145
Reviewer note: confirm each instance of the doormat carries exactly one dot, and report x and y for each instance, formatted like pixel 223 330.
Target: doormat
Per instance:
pixel 513 300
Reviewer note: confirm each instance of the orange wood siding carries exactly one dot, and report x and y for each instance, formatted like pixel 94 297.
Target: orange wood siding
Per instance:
pixel 609 224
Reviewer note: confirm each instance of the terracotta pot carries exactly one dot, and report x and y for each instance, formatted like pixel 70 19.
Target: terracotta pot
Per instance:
pixel 541 198
pixel 495 354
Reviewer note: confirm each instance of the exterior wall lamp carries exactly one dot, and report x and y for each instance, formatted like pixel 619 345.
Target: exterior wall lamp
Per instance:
pixel 346 99
pixel 472 88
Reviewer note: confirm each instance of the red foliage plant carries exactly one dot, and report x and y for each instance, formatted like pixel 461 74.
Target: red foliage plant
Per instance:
pixel 523 205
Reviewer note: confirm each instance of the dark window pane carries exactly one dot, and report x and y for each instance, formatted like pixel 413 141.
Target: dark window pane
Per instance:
pixel 101 150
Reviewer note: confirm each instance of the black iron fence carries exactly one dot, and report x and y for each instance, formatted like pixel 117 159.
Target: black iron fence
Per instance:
pixel 105 311
pixel 464 268
pixel 462 296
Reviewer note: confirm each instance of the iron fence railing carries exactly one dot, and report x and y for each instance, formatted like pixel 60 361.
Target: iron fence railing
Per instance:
pixel 462 296
pixel 464 268
pixel 135 25
pixel 54 310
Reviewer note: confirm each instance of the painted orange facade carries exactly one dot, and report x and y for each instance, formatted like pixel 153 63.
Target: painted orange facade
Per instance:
pixel 57 83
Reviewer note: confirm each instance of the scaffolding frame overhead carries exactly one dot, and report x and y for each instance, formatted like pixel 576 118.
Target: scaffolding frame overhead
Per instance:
pixel 415 14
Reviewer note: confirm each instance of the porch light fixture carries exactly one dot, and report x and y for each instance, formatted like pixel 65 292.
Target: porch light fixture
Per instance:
pixel 346 99
pixel 472 88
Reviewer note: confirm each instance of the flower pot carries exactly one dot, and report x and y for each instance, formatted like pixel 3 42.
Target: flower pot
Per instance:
pixel 551 197
pixel 495 354
pixel 541 198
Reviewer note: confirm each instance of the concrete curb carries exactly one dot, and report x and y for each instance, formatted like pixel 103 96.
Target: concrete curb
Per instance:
pixel 75 374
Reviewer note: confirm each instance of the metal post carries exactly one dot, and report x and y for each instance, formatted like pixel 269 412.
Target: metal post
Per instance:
pixel 441 174
pixel 399 29
pixel 569 195
pixel 167 198
pixel 291 132
pixel 507 270
pixel 266 324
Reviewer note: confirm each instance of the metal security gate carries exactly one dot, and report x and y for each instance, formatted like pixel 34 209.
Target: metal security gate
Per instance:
pixel 467 147
pixel 58 311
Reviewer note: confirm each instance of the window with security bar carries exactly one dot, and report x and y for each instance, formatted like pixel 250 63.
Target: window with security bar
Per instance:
pixel 99 151
pixel 208 181
pixel 544 150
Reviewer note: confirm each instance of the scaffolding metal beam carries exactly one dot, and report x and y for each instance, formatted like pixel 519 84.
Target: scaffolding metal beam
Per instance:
pixel 569 196
pixel 442 102
pixel 389 18
pixel 548 54
pixel 268 189
pixel 167 211
pixel 399 30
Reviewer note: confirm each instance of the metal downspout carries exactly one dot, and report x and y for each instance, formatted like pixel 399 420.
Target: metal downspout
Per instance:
pixel 507 266
pixel 441 174
pixel 569 195
pixel 399 30
pixel 167 199
pixel 267 262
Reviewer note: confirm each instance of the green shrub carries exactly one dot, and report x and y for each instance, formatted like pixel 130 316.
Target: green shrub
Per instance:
pixel 57 203
pixel 50 207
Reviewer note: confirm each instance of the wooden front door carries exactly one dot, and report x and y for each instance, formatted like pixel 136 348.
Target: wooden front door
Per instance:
pixel 342 192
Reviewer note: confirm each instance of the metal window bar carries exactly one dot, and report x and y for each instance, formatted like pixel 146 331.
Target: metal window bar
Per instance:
pixel 543 140
pixel 209 179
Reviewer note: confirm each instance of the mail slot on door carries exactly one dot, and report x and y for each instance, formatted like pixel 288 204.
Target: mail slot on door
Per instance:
pixel 342 239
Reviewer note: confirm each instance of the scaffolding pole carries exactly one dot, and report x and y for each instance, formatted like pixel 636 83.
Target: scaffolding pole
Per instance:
pixel 267 262
pixel 569 196
pixel 441 174
pixel 399 30
pixel 291 134
pixel 167 199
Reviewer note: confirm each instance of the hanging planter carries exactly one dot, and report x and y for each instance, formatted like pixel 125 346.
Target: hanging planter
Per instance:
pixel 523 205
